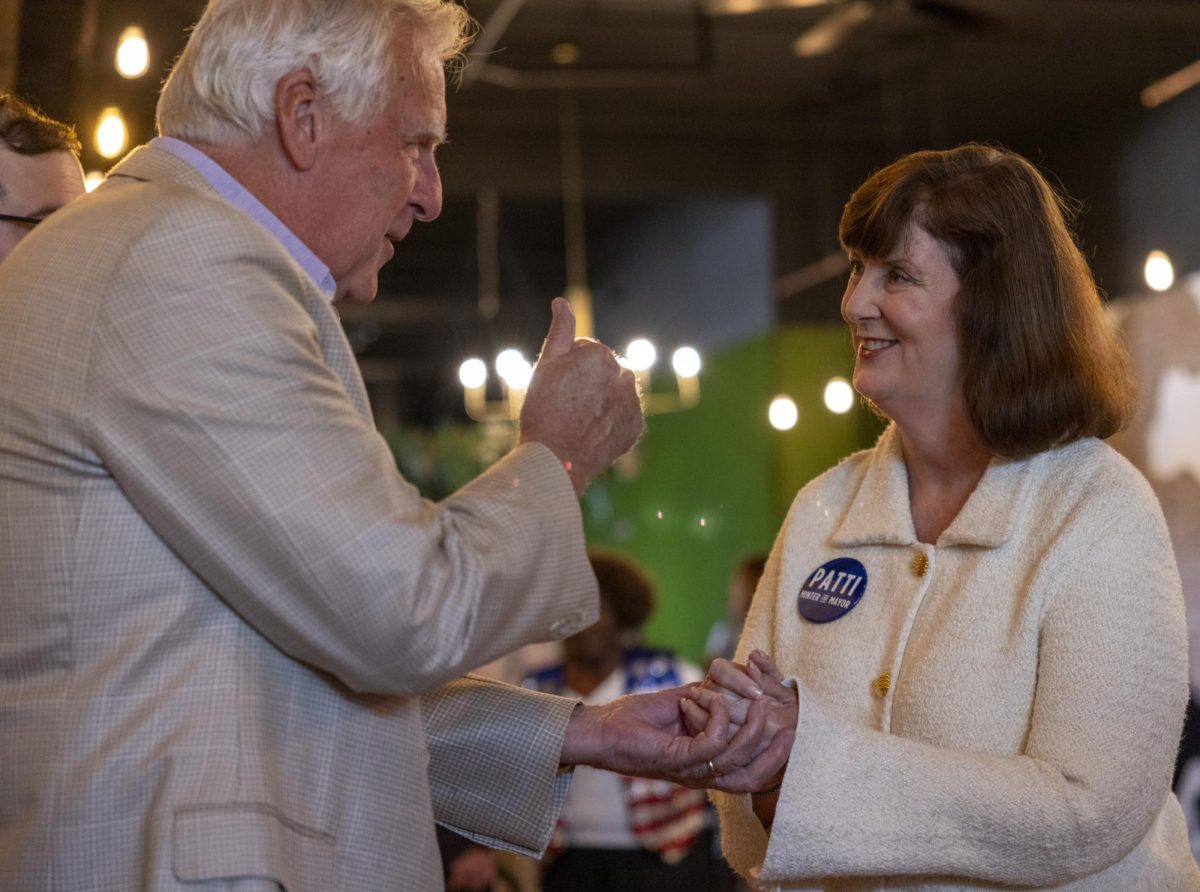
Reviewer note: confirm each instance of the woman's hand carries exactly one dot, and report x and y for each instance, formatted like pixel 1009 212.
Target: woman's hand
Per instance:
pixel 740 685
pixel 756 755
pixel 754 697
pixel 766 674
pixel 731 681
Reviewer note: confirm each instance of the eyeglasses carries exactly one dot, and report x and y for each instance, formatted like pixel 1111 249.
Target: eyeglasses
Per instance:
pixel 25 221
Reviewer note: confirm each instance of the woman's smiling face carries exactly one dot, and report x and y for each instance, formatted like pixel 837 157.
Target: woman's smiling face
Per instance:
pixel 902 313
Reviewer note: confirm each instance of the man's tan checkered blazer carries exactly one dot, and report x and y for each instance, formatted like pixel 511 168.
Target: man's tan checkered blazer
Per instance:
pixel 229 629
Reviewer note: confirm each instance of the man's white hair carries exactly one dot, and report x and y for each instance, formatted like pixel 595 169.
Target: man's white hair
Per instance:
pixel 221 90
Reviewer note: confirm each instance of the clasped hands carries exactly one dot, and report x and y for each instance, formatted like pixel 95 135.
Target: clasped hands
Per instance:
pixel 739 722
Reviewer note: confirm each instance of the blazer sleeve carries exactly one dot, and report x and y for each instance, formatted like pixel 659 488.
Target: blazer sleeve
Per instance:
pixel 1096 767
pixel 493 758
pixel 213 407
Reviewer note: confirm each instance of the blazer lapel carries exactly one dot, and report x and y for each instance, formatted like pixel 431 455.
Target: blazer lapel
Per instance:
pixel 149 164
pixel 337 352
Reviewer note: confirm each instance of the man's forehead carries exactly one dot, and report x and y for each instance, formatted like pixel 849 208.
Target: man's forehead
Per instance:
pixel 416 58
pixel 421 100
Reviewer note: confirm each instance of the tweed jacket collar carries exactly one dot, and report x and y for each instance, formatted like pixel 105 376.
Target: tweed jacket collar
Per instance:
pixel 150 164
pixel 879 513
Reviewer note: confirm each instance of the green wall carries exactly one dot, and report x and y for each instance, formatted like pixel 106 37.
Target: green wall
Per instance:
pixel 711 484
pixel 704 487
pixel 804 359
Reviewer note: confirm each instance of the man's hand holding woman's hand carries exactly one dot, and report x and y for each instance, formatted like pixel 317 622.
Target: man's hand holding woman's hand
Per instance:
pixel 733 732
pixel 762 711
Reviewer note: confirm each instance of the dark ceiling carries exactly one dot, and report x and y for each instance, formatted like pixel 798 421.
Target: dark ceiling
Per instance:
pixel 685 99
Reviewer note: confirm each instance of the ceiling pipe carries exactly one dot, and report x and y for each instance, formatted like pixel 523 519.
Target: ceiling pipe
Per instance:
pixel 578 294
pixel 492 32
pixel 589 79
pixel 810 276
pixel 745 7
pixel 1171 86
pixel 833 28
pixel 691 74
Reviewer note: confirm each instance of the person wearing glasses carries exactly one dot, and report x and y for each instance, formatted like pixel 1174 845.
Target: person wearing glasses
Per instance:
pixel 39 168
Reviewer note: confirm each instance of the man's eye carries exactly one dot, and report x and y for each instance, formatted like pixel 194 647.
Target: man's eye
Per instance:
pixel 416 150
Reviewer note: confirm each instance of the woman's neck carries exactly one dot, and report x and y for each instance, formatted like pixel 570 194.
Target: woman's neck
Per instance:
pixel 945 461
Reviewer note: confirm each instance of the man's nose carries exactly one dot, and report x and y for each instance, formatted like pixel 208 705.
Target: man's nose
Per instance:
pixel 427 193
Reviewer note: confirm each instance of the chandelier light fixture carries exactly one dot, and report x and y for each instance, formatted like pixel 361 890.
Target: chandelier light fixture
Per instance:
pixel 514 370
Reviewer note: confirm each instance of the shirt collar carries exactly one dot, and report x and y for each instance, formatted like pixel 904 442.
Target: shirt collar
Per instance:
pixel 880 514
pixel 241 198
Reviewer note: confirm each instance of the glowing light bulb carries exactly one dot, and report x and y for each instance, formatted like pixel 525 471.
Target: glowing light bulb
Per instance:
pixel 473 373
pixel 686 362
pixel 514 369
pixel 133 53
pixel 110 132
pixel 640 354
pixel 1159 273
pixel 566 53
pixel 507 360
pixel 92 179
pixel 783 413
pixel 519 376
pixel 839 396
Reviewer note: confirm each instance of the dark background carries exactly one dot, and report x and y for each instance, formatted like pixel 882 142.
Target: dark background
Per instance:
pixel 680 102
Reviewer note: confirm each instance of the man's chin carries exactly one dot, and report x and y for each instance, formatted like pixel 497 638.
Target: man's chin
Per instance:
pixel 357 293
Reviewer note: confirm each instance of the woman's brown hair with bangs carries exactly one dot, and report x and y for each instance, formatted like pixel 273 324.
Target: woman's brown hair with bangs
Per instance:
pixel 1042 362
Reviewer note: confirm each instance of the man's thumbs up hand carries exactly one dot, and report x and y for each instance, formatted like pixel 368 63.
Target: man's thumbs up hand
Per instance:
pixel 580 404
pixel 561 336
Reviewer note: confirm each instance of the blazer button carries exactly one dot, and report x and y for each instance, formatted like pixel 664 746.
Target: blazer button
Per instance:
pixel 883 684
pixel 920 564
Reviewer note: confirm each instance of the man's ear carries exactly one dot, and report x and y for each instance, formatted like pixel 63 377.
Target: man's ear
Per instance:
pixel 299 117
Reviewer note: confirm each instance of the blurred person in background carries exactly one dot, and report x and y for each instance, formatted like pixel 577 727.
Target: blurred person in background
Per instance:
pixel 725 632
pixel 979 620
pixel 619 833
pixel 39 168
pixel 471 867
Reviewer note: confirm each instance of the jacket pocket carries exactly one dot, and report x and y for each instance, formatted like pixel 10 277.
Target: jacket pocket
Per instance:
pixel 251 839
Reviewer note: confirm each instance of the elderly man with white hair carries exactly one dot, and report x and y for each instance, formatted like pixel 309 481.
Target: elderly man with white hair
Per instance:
pixel 232 634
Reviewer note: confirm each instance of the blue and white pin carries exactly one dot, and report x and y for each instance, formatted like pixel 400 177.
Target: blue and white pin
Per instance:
pixel 832 590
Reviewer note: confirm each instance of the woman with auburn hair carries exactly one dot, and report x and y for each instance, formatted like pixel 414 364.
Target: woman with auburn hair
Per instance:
pixel 980 618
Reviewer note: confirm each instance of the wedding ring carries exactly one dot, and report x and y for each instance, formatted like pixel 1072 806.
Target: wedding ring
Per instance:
pixel 713 769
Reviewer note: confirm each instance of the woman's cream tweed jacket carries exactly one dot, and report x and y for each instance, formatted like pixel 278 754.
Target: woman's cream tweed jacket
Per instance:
pixel 1036 665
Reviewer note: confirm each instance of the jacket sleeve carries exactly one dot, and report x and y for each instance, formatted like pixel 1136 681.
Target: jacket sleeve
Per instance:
pixel 1095 770
pixel 213 406
pixel 493 760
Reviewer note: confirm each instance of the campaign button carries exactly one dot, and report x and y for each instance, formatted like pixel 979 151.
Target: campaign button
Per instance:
pixel 832 590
